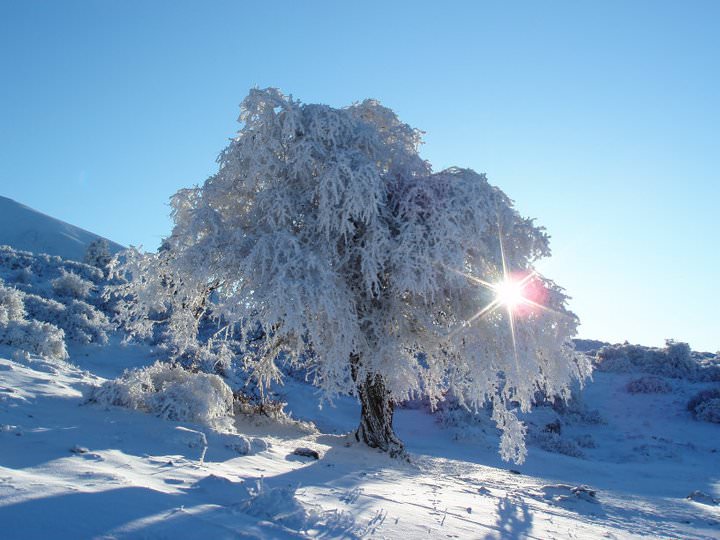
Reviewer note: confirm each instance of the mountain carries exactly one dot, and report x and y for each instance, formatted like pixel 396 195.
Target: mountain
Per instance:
pixel 26 229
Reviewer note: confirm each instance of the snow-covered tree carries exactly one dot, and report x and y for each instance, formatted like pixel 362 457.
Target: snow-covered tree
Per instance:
pixel 383 278
pixel 98 254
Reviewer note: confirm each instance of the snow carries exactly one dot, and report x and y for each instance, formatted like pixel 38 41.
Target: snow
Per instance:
pixel 72 469
pixel 26 229
pixel 636 455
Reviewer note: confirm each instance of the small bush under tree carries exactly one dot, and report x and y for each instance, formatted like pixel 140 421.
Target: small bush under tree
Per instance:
pixel 169 392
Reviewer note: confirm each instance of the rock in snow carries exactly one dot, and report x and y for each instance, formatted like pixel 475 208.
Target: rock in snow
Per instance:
pixel 306 452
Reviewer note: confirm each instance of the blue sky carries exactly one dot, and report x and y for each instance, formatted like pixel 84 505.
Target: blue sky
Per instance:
pixel 599 118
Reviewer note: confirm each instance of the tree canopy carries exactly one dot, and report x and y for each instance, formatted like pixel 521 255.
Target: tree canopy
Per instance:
pixel 383 278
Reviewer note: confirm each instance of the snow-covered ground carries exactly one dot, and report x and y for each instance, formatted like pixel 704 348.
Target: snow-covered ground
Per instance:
pixel 615 464
pixel 29 230
pixel 70 469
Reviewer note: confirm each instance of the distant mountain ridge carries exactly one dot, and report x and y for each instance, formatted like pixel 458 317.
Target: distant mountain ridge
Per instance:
pixel 26 229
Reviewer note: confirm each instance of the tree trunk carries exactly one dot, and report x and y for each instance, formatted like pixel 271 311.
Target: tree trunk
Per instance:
pixel 376 416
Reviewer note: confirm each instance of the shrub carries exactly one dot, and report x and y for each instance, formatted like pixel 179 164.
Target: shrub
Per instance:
pixel 71 285
pixel 705 405
pixel 36 337
pixel 169 392
pixel 23 276
pixel 85 324
pixel 555 443
pixel 37 269
pixel 81 322
pixel 12 307
pixel 709 411
pixel 675 360
pixel 98 254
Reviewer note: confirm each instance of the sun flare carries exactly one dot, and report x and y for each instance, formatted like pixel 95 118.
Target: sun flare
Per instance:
pixel 509 293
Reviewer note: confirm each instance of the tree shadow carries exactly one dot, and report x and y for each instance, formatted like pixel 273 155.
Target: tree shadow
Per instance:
pixel 514 520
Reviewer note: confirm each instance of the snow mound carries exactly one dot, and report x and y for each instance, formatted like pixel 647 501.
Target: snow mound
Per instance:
pixel 169 392
pixel 281 506
pixel 24 228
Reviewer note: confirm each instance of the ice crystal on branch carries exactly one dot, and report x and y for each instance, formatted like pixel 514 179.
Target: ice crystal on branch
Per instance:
pixel 327 228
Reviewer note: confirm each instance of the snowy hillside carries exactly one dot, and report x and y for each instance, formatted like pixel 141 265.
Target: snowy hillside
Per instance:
pixel 26 229
pixel 72 469
pixel 99 440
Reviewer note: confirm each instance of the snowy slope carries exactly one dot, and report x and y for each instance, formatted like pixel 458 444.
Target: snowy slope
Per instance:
pixel 26 229
pixel 132 475
pixel 622 467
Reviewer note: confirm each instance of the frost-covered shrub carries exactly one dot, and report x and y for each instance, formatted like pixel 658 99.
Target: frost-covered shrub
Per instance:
pixel 709 411
pixel 617 358
pixel 169 392
pixel 709 369
pixel 555 443
pixel 85 324
pixel 649 385
pixel 44 309
pixel 47 303
pixel 705 405
pixel 82 322
pixel 576 410
pixel 39 269
pixel 23 276
pixel 585 441
pixel 39 338
pixel 12 307
pixel 589 346
pixel 71 285
pixel 98 254
pixel 675 360
pixel 32 336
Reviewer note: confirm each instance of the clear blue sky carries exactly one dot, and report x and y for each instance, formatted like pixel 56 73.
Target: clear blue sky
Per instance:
pixel 599 118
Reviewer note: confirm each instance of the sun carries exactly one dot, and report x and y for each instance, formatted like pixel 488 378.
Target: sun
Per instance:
pixel 510 293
